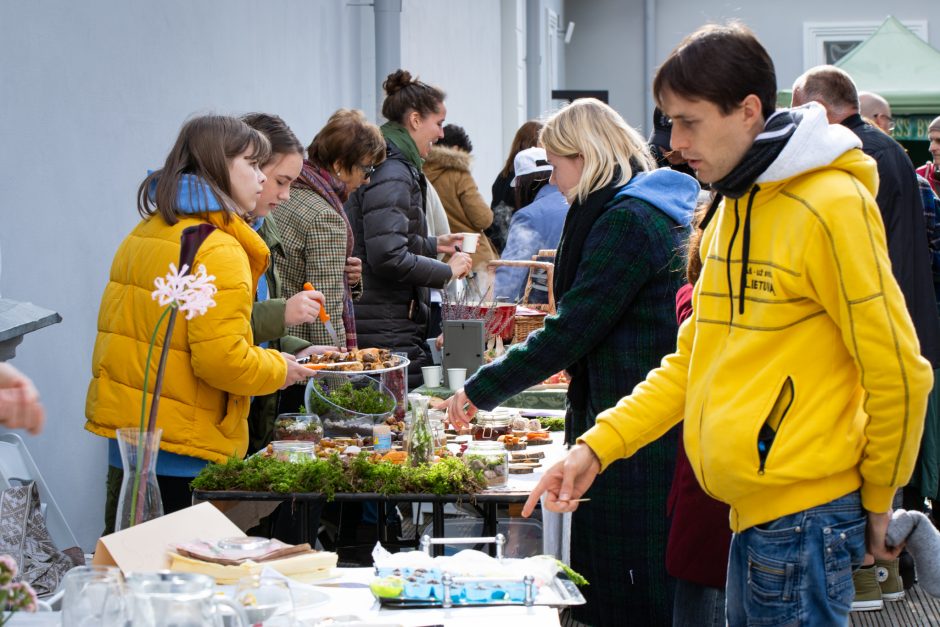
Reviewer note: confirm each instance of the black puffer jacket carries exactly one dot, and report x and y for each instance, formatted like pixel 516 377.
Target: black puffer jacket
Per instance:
pixel 902 211
pixel 399 261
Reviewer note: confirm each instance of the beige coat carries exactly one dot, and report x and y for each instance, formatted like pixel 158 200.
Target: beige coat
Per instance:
pixel 448 169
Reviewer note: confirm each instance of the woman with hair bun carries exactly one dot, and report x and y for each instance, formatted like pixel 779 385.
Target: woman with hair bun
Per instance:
pixel 391 233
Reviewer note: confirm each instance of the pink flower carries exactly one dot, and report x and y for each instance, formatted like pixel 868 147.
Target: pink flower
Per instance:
pixel 8 569
pixel 190 293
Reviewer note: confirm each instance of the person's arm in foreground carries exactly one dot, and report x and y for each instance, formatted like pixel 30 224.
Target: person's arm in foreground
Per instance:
pixel 19 401
pixel 654 406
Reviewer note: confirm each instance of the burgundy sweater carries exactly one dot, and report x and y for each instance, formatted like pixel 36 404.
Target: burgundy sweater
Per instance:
pixel 700 535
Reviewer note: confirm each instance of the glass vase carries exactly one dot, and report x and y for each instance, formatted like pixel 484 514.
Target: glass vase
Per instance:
pixel 420 443
pixel 139 500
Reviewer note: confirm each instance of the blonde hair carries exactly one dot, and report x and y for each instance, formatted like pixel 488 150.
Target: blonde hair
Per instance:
pixel 593 130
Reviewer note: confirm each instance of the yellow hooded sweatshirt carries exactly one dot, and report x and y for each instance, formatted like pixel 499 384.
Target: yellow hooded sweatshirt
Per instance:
pixel 817 388
pixel 213 365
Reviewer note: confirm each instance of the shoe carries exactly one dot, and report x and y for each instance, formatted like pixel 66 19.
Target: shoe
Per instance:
pixel 889 580
pixel 867 591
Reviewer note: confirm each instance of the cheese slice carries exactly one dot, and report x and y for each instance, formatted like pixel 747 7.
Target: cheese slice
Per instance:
pixel 306 567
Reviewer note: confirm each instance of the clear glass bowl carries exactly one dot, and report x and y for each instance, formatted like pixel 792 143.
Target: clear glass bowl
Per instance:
pixel 367 403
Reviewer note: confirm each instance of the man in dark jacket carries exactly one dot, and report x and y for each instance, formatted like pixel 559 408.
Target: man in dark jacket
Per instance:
pixel 899 199
pixel 902 212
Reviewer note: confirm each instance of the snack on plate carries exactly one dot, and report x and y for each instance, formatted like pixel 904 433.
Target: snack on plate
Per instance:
pixel 354 361
pixel 512 442
pixel 538 437
pixel 519 424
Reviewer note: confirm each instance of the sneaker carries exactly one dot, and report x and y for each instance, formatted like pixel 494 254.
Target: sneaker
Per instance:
pixel 892 588
pixel 867 590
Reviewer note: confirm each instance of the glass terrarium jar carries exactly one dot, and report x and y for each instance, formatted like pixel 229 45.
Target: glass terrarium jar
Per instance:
pixel 298 427
pixel 348 404
pixel 420 440
pixel 491 458
pixel 294 450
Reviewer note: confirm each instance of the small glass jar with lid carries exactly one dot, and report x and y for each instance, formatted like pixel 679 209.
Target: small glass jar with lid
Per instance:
pixel 490 425
pixel 491 458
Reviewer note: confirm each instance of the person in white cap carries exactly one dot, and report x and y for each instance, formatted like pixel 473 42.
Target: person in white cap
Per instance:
pixel 537 221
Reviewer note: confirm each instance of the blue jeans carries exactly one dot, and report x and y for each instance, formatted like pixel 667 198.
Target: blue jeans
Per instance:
pixel 797 570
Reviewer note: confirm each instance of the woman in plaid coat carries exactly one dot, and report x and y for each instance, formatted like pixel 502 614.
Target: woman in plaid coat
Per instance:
pixel 618 268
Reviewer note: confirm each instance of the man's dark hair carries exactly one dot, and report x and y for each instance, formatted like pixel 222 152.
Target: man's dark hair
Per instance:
pixel 721 64
pixel 456 137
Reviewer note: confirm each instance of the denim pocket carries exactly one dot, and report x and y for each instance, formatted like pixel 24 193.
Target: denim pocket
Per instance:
pixel 773 573
pixel 844 544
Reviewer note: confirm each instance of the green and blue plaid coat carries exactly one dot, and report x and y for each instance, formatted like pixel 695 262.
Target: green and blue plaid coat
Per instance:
pixel 619 315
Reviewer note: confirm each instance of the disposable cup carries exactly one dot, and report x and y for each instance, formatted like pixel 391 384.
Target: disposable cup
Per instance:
pixel 470 241
pixel 432 376
pixel 456 377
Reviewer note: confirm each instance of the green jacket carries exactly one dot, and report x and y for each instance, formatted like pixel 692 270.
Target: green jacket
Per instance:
pixel 267 325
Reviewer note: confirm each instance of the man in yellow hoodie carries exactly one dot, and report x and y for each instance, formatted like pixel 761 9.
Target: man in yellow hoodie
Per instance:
pixel 799 372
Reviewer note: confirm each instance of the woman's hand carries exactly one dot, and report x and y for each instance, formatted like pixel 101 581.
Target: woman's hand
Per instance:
pixel 446 243
pixel 19 401
pixel 439 341
pixel 353 270
pixel 296 373
pixel 303 307
pixel 460 265
pixel 566 481
pixel 460 410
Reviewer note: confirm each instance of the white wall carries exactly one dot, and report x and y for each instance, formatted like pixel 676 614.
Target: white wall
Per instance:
pixel 93 95
pixel 456 45
pixel 606 52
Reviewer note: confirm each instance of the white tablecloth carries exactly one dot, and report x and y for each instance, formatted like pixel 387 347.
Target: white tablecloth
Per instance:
pixel 356 600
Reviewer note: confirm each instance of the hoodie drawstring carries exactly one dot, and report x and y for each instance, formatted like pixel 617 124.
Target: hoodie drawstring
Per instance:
pixel 745 246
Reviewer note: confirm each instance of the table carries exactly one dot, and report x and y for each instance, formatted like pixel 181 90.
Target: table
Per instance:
pixel 516 491
pixel 349 595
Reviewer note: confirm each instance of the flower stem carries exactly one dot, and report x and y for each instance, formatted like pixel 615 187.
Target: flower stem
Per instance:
pixel 154 404
pixel 143 410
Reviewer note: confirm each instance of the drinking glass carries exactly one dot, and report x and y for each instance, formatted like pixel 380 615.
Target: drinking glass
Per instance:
pixel 94 596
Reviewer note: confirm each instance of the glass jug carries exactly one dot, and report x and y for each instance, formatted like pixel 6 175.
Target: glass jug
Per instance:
pixel 168 599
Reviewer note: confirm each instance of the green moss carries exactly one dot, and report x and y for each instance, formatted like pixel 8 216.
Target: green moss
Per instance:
pixel 332 475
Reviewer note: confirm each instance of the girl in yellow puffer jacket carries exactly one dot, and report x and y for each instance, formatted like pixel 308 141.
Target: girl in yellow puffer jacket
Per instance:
pixel 210 176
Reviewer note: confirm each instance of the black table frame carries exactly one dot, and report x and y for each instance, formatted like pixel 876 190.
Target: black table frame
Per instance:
pixel 488 501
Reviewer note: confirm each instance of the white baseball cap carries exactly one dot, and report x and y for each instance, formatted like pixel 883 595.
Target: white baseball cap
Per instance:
pixel 529 161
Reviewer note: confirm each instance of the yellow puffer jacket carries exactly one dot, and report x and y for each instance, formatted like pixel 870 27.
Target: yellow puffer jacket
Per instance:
pixel 213 365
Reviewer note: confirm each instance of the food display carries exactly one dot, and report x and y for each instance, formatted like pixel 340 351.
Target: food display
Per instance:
pixel 512 442
pixel 362 360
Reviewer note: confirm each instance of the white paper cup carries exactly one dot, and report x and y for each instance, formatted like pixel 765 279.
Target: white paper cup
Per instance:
pixel 470 241
pixel 432 376
pixel 456 377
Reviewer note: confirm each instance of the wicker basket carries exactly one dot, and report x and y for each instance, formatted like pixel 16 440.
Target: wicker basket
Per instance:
pixel 526 324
